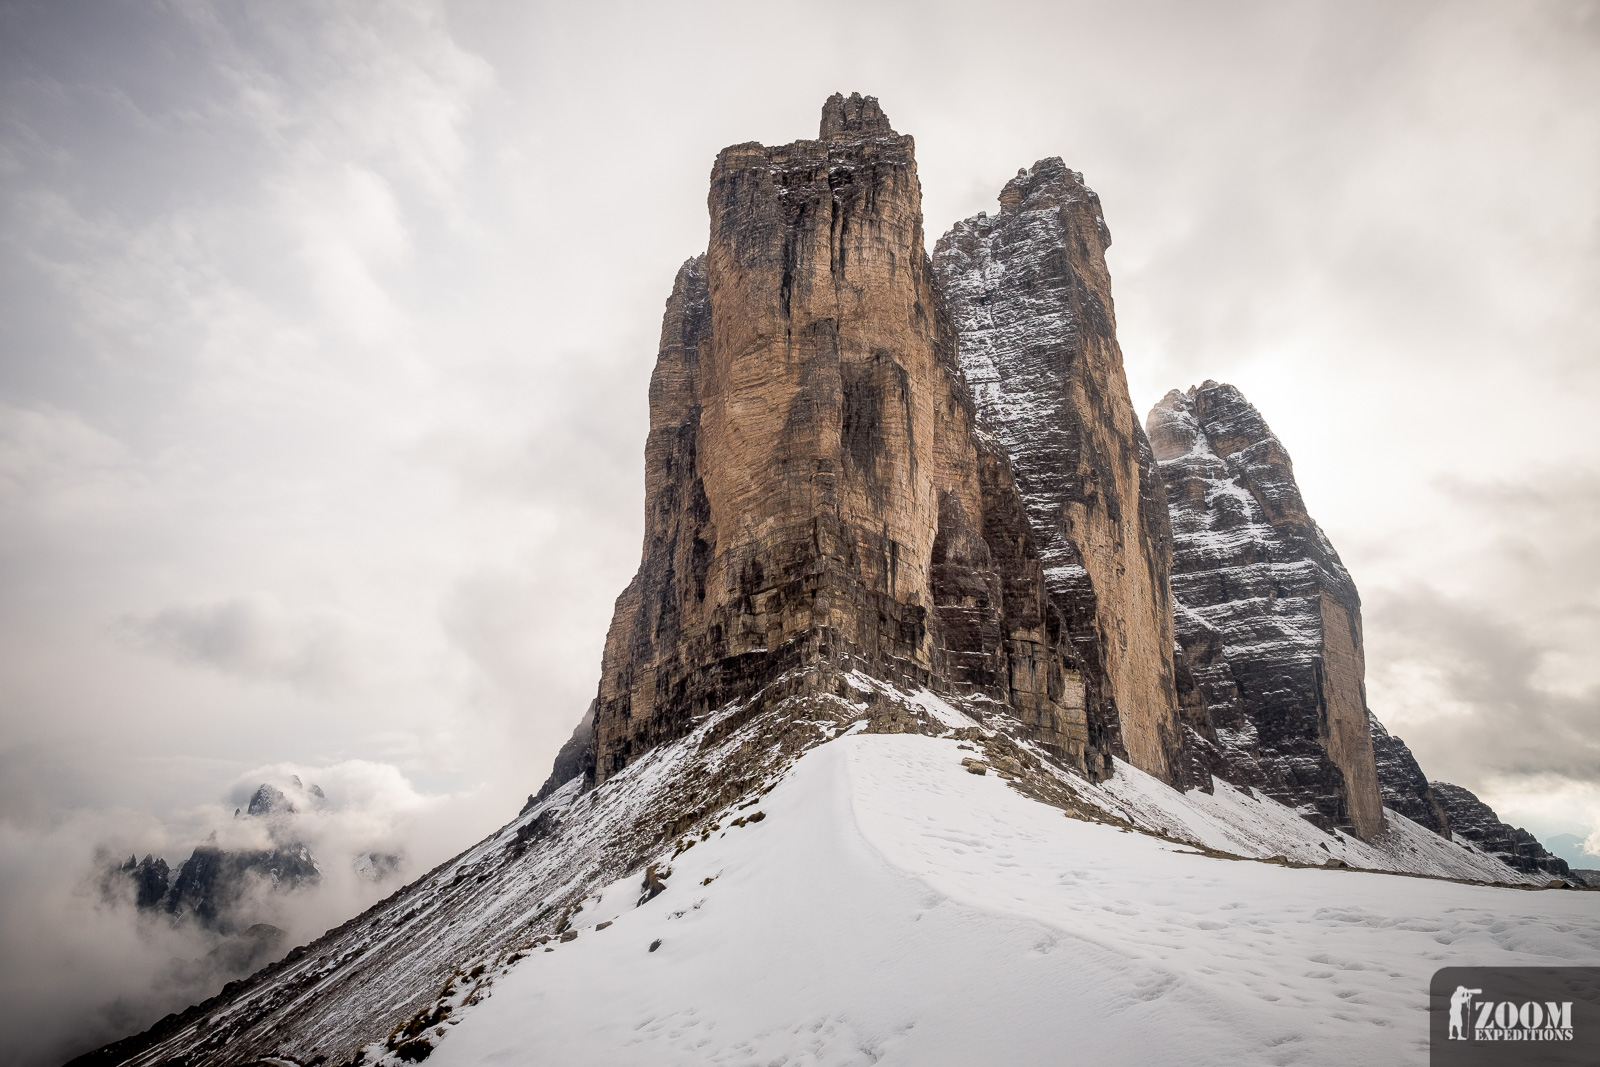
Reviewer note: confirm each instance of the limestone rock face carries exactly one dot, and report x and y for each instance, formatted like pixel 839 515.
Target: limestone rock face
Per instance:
pixel 1268 620
pixel 1404 787
pixel 572 758
pixel 649 666
pixel 212 883
pixel 1473 820
pixel 818 498
pixel 1031 298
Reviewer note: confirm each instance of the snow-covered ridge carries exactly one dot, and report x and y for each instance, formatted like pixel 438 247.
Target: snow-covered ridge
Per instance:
pixel 375 974
pixel 407 971
pixel 1248 824
pixel 890 906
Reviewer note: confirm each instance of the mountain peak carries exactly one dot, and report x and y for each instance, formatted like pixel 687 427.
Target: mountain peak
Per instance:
pixel 268 799
pixel 853 118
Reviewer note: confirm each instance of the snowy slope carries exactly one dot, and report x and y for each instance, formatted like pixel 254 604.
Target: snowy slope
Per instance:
pixel 326 1000
pixel 1250 824
pixel 891 907
pixel 860 882
pixel 1232 820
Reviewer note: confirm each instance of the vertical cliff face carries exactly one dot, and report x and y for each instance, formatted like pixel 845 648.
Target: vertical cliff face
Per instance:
pixel 1031 299
pixel 1403 785
pixel 817 497
pixel 822 382
pixel 1268 620
pixel 653 668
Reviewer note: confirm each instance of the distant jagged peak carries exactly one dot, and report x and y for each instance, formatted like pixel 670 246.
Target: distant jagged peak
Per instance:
pixel 268 799
pixel 1174 427
pixel 853 118
pixel 1221 419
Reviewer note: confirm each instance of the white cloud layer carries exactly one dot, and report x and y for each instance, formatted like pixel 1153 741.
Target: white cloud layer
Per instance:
pixel 84 966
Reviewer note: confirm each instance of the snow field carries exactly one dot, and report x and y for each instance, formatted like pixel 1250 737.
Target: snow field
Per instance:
pixel 1232 820
pixel 892 908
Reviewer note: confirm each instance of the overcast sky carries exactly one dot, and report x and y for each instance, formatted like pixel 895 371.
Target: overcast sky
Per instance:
pixel 325 331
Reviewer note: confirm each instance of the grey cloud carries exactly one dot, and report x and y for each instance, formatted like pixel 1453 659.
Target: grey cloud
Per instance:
pixel 251 638
pixel 107 973
pixel 1505 657
pixel 100 969
pixel 1509 723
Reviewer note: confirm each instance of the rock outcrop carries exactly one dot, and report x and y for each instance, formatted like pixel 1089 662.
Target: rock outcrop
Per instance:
pixel 1268 620
pixel 1403 785
pixel 268 799
pixel 150 878
pixel 1031 298
pixel 573 757
pixel 217 888
pixel 817 498
pixel 1474 821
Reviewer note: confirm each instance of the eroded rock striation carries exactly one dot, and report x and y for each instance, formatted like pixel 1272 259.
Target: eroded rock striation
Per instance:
pixel 1268 620
pixel 1031 298
pixel 1474 821
pixel 818 499
pixel 1403 785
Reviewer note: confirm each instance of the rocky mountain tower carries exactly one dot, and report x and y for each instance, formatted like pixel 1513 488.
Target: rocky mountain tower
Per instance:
pixel 1031 299
pixel 817 497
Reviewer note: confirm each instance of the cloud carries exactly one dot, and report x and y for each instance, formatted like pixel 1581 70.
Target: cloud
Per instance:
pixel 251 637
pixel 1489 675
pixel 77 972
pixel 84 967
pixel 388 84
pixel 54 460
pixel 350 228
pixel 1494 716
